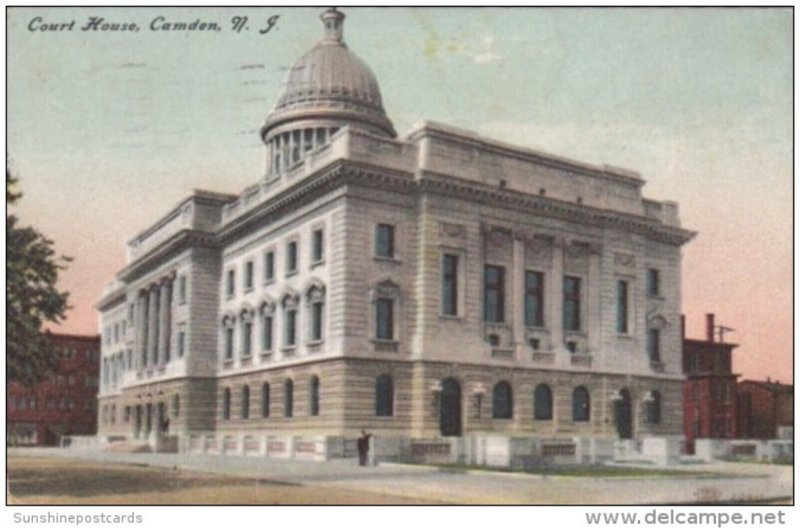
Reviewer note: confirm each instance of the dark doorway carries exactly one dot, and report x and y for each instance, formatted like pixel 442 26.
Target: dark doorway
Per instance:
pixel 623 414
pixel 138 422
pixel 450 417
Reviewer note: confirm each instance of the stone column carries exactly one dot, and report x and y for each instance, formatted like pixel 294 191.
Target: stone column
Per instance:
pixel 141 330
pixel 594 324
pixel 518 292
pixel 556 294
pixel 165 306
pixel 152 324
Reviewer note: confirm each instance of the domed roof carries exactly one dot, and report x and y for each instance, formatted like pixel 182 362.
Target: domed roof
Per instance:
pixel 331 82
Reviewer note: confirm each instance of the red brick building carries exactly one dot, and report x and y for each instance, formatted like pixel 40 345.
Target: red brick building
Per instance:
pixel 764 406
pixel 709 396
pixel 65 403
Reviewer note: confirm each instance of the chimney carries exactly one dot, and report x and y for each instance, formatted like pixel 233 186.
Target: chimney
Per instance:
pixel 710 327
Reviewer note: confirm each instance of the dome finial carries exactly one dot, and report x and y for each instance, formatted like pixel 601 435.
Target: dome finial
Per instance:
pixel 333 21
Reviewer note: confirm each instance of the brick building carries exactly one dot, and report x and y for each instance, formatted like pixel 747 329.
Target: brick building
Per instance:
pixel 437 284
pixel 709 396
pixel 765 407
pixel 63 404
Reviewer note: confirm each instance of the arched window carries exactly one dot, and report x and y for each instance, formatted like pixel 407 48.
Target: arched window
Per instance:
pixel 543 403
pixel 226 404
pixel 246 402
pixel 654 408
pixel 288 398
pixel 580 405
pixel 384 396
pixel 502 402
pixel 265 400
pixel 313 399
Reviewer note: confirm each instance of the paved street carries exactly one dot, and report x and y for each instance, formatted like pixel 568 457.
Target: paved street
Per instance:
pixel 345 481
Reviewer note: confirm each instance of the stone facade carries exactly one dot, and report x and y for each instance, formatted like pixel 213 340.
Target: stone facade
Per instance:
pixel 325 283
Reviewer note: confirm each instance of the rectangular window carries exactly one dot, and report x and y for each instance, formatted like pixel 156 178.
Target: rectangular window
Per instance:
pixel 181 343
pixel 384 319
pixel 534 298
pixel 130 358
pixel 247 338
pixel 266 336
pixel 622 307
pixel 230 286
pixel 450 285
pixel 654 345
pixel 494 294
pixel 318 246
pixel 572 303
pixel 130 314
pixel 316 321
pixel 291 257
pixel 291 327
pixel 269 266
pixel 248 275
pixel 182 290
pixel 384 241
pixel 653 283
pixel 229 343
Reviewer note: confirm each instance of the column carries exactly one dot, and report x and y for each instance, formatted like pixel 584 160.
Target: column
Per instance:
pixel 518 292
pixel 141 330
pixel 152 326
pixel 165 306
pixel 556 294
pixel 593 298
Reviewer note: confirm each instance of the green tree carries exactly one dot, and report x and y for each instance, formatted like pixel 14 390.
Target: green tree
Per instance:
pixel 31 296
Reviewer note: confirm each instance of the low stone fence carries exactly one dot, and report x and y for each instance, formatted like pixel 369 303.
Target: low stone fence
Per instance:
pixel 271 446
pixel 81 442
pixel 710 449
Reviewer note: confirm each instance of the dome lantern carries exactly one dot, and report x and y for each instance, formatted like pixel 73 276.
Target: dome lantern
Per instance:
pixel 333 20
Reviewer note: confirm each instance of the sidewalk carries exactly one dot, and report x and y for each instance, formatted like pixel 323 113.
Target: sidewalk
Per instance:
pixel 742 482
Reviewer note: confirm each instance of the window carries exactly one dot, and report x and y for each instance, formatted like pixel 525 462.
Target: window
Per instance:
pixel 654 345
pixel 290 336
pixel 494 294
pixel 130 314
pixel 384 396
pixel 288 398
pixel 229 343
pixel 317 246
pixel 230 287
pixel 654 408
pixel 246 402
pixel 181 342
pixel 580 405
pixel 534 298
pixel 316 320
pixel 542 403
pixel 130 358
pixel 182 289
pixel 384 319
pixel 291 257
pixel 622 307
pixel 269 266
pixel 247 338
pixel 226 404
pixel 572 303
pixel 248 275
pixel 502 404
pixel 384 241
pixel 176 405
pixel 265 400
pixel 266 335
pixel 450 285
pixel 653 283
pixel 313 396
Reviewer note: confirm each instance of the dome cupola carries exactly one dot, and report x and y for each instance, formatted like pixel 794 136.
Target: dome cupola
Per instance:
pixel 328 88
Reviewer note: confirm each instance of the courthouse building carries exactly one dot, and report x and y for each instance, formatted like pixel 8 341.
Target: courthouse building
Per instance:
pixel 432 285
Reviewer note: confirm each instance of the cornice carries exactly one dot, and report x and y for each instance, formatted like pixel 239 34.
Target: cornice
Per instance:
pixel 156 256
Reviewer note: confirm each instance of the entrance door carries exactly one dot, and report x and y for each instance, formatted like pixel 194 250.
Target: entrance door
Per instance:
pixel 450 417
pixel 623 415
